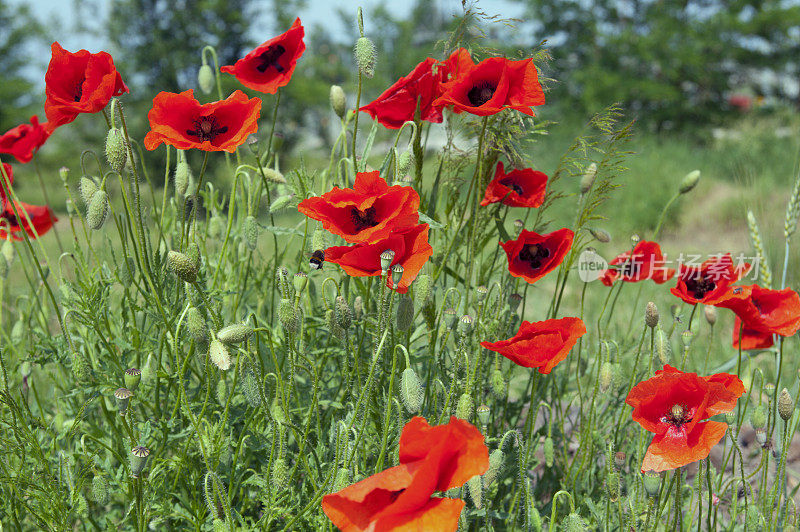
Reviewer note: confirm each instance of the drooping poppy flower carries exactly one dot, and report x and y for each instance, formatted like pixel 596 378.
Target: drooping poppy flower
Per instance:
pixel 79 82
pixel 24 140
pixel 42 218
pixel 271 65
pixel 644 262
pixel 765 310
pixel 708 283
pixel 672 405
pixel 493 85
pixel 411 251
pixel 532 256
pixel 541 344
pixel 401 498
pixel 398 104
pixel 751 338
pixel 519 188
pixel 181 121
pixel 366 213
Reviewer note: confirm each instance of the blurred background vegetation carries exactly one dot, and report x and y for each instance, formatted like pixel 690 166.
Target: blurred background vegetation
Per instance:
pixel 711 84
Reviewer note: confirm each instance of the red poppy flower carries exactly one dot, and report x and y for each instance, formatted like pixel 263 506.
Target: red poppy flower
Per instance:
pixel 542 344
pixel 366 213
pixel 646 262
pixel 398 103
pixel 532 256
pixel 673 405
pixel 518 188
pixel 271 65
pixel 181 121
pixel 24 140
pixel 493 85
pixel 411 251
pixel 765 310
pixel 457 64
pixel 42 218
pixel 401 497
pixel 708 283
pixel 78 82
pixel 751 338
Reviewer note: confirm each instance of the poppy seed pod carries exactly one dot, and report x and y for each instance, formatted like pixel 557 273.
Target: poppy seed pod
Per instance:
pixel 182 266
pixel 205 78
pixel 785 405
pixel 549 451
pixel 235 334
pixel 397 274
pixel 123 396
pixel 365 56
pixel 405 313
pixel 519 225
pixel 338 101
pixel 87 189
pixel 100 489
pixel 652 483
pixel 196 325
pixel 651 314
pixel 601 235
pixel 710 314
pixel 219 355
pixel 97 211
pixel 132 378
pixel 513 301
pixel 588 178
pixel 619 460
pixel 689 181
pixel 344 317
pixel 250 231
pixel 464 407
pixel 769 388
pixel 116 149
pixel 480 293
pixel 182 176
pixel 483 413
pixel 465 325
pixel 299 282
pixel 686 338
pixel 450 318
pixel 411 391
pixel 138 459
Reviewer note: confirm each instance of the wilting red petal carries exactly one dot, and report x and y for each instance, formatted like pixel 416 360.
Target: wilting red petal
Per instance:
pixel 24 140
pixel 541 344
pixel 519 188
pixel 709 282
pixel 79 82
pixel 644 262
pixel 181 121
pixel 532 256
pixel 367 213
pixel 271 65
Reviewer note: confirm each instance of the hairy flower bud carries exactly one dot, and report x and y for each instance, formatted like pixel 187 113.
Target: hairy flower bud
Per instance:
pixel 549 451
pixel 606 375
pixel 404 163
pixel 219 355
pixel 182 266
pixel 365 56
pixel 588 178
pixel 405 313
pixel 498 383
pixel 338 101
pixel 196 325
pixel 785 405
pixel 601 235
pixel 710 314
pixel 759 417
pixel 358 307
pixel 662 346
pixel 318 239
pixel 423 286
pixel 250 231
pixel 97 211
pixel 235 333
pixel 280 202
pixel 138 459
pixel 81 369
pixel 205 78
pixel 496 459
pixel 280 474
pixel 464 407
pixel 651 314
pixel 182 176
pixel 612 486
pixel 344 317
pixel 286 314
pixel 274 176
pixel 411 391
pixel 251 388
pixel 689 181
pixel 475 489
pixel 100 489
pixel 87 188
pixel 116 149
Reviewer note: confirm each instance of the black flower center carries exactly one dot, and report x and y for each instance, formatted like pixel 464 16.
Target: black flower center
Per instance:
pixel 206 128
pixel 78 93
pixel 678 416
pixel 481 93
pixel 534 254
pixel 631 268
pixel 363 219
pixel 7 218
pixel 699 286
pixel 508 182
pixel 269 58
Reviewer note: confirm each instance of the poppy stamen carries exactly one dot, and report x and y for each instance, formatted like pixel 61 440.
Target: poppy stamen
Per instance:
pixel 510 183
pixel 206 128
pixel 79 90
pixel 10 219
pixel 699 286
pixel 534 254
pixel 678 415
pixel 270 58
pixel 481 93
pixel 363 219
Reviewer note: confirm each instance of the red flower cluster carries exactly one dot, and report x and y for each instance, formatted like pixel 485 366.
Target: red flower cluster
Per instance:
pixel 24 140
pixel 518 188
pixel 673 405
pixel 401 498
pixel 181 121
pixel 41 217
pixel 377 218
pixel 644 261
pixel 532 256
pixel 79 82
pixel 542 344
pixel 708 283
pixel 271 65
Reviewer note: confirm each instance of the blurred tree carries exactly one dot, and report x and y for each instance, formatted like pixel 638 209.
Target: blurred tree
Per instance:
pixel 161 40
pixel 18 31
pixel 669 62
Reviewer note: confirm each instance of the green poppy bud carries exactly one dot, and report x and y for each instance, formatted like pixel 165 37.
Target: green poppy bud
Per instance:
pixel 219 355
pixel 182 266
pixel 344 317
pixel 404 162
pixel 100 489
pixel 250 231
pixel 358 307
pixel 97 211
pixel 318 239
pixel 132 378
pixel 251 388
pixel 574 523
pixel 710 314
pixel 205 78
pixel 182 176
pixel 606 376
pixel 286 314
pixel 116 149
pixel 87 188
pixel 498 383
pixel 235 334
pixel 342 479
pixel 81 369
pixel 280 203
pixel 662 346
pixel 366 56
pixel 689 181
pixel 196 325
pixel 496 459
pixel 549 452
pixel 475 489
pixel 338 101
pixel 785 405
pixel 280 474
pixel 423 286
pixel 405 313
pixel 759 417
pixel 651 315
pixel 588 178
pixel 612 486
pixel 411 391
pixel 464 407
pixel 138 459
pixel 600 235
pixel 7 250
